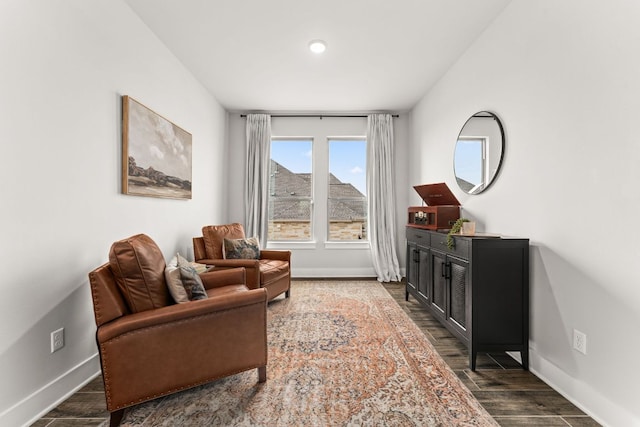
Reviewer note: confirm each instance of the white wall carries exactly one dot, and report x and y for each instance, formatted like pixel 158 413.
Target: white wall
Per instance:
pixel 64 67
pixel 316 260
pixel 564 76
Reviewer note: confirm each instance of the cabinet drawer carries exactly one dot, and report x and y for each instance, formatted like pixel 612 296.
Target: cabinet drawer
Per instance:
pixel 419 237
pixel 460 248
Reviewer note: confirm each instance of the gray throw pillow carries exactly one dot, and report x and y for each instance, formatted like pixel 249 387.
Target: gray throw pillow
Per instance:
pixel 191 280
pixel 241 248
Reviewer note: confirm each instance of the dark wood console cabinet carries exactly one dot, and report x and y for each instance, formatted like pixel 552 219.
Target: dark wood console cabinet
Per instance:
pixel 478 289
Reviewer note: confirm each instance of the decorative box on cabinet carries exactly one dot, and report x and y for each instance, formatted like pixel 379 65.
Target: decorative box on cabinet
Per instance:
pixel 442 209
pixel 478 289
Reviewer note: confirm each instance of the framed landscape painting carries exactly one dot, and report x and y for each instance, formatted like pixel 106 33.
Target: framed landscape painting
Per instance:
pixel 156 154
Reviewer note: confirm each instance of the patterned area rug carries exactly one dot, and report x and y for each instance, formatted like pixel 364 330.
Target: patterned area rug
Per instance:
pixel 340 354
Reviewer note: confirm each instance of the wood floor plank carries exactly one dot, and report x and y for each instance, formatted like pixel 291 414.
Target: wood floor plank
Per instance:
pixel 531 421
pixel 81 405
pixel 506 361
pixel 43 422
pixel 501 379
pixel 522 402
pixel 466 381
pixel 581 421
pixel 95 385
pixel 78 422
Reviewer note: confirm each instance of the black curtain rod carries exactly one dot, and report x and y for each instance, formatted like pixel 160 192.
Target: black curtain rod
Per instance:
pixel 320 115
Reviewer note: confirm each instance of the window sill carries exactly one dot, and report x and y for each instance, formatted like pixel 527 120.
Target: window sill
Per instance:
pixel 311 244
pixel 347 245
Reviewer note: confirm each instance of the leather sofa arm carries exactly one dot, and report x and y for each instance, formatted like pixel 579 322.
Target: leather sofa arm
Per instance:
pixel 277 255
pixel 218 278
pixel 231 263
pixel 146 355
pixel 252 267
pixel 172 315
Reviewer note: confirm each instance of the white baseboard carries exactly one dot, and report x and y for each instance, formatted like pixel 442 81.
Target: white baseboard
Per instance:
pixel 332 272
pixel 336 272
pixel 590 401
pixel 33 407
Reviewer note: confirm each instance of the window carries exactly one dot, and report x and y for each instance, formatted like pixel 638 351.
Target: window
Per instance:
pixel 347 203
pixel 470 164
pixel 290 190
pixel 341 212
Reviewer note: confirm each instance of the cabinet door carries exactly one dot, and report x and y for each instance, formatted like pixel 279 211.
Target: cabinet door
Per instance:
pixel 423 277
pixel 458 293
pixel 413 266
pixel 438 282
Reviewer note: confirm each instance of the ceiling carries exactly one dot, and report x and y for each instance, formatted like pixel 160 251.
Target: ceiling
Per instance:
pixel 252 55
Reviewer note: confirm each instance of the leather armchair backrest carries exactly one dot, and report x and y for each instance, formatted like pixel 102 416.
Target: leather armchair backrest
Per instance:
pixel 138 267
pixel 107 299
pixel 199 251
pixel 214 235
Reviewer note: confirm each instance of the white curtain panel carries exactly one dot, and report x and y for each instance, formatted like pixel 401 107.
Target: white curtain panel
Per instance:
pixel 380 186
pixel 258 131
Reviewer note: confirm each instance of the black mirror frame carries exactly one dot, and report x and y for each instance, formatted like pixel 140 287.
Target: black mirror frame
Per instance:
pixel 487 114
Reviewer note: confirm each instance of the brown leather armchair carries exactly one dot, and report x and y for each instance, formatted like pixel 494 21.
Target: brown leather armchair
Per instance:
pixel 271 271
pixel 151 347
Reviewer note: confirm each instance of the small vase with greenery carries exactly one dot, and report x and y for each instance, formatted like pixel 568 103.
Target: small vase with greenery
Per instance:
pixel 455 229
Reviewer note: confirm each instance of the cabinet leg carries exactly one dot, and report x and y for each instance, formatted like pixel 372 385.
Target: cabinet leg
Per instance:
pixel 472 360
pixel 524 355
pixel 406 295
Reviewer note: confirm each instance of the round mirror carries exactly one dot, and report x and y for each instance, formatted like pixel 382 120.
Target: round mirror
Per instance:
pixel 478 153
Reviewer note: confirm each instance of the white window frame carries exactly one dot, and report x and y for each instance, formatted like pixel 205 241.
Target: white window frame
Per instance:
pixel 311 242
pixel 484 153
pixel 344 244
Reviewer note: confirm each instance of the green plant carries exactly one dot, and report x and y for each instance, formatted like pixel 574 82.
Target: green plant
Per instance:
pixel 455 229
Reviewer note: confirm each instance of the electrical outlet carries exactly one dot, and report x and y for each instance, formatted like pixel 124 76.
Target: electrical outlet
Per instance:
pixel 57 340
pixel 579 341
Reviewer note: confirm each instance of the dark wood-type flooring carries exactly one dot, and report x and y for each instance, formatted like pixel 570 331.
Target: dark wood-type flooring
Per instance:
pixel 513 396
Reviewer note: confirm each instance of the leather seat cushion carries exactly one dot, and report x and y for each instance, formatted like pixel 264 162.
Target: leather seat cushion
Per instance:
pixel 272 269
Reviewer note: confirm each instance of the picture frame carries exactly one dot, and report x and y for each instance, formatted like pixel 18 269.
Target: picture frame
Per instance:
pixel 156 154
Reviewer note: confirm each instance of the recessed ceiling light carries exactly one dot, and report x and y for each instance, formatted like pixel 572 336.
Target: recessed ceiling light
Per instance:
pixel 317 46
